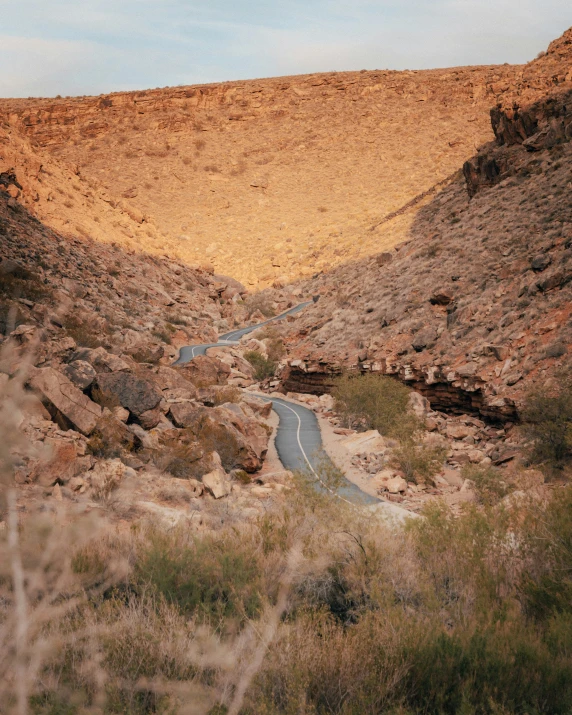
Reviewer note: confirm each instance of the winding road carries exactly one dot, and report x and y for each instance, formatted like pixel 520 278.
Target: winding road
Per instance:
pixel 298 438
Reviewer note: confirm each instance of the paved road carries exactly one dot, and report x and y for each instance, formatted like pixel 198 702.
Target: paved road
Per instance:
pixel 189 352
pixel 299 446
pixel 298 438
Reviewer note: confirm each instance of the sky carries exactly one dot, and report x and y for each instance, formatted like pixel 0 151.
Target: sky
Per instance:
pixel 76 47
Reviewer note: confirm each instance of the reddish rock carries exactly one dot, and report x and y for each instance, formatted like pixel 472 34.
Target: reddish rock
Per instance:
pixel 67 405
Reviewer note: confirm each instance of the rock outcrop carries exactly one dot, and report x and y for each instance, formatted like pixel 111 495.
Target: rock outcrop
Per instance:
pixel 475 308
pixel 68 405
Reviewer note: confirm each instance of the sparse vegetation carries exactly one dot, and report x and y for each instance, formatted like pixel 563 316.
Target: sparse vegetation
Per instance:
pixel 22 283
pixel 83 331
pixel 261 303
pixel 418 462
pixel 226 394
pixel 263 367
pixel 547 422
pixel 419 624
pixel 490 484
pixel 375 402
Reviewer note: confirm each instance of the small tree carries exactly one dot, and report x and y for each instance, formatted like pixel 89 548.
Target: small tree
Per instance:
pixel 375 402
pixel 547 422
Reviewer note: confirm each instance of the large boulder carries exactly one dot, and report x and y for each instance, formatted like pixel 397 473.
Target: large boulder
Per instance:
pixel 204 371
pixel 136 394
pixel 185 414
pixel 247 439
pixel 217 483
pixel 167 378
pixel 81 373
pixel 261 407
pixel 241 441
pixel 68 406
pixel 101 360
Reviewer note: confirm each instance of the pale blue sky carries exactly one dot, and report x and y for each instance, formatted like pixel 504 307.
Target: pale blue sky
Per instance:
pixel 69 47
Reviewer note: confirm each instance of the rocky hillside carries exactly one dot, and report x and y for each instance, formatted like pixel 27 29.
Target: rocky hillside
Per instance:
pixel 475 307
pixel 88 332
pixel 293 170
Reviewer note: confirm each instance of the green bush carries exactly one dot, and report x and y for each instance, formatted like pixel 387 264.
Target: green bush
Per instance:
pixel 263 367
pixel 375 402
pixel 418 462
pixel 207 577
pixel 491 485
pixel 547 422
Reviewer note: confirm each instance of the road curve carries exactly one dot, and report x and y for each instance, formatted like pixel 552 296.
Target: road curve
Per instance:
pixel 298 438
pixel 187 353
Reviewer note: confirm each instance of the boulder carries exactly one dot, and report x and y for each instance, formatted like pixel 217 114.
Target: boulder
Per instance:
pixel 67 405
pixel 459 431
pixel 441 296
pixel 249 439
pixel 167 378
pixel 257 405
pixel 395 485
pixel 419 404
pixel 384 259
pixel 424 338
pixel 364 442
pixel 111 432
pixel 217 484
pixel 150 419
pixel 101 360
pixel 241 441
pixel 147 353
pixel 541 262
pixel 185 414
pixel 135 394
pixel 81 373
pixel 204 371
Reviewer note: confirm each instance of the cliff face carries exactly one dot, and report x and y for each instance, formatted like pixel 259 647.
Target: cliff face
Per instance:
pixel 292 170
pixel 475 307
pixel 536 113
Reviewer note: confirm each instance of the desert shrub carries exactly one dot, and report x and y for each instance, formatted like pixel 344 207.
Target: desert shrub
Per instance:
pixel 263 367
pixel 22 283
pixel 375 402
pixel 259 302
pixel 418 462
pixel 547 422
pixel 216 437
pixel 228 393
pixel 209 577
pixel 547 583
pixel 83 331
pixel 181 456
pixel 275 349
pixel 174 493
pixel 162 334
pixel 274 342
pixel 491 485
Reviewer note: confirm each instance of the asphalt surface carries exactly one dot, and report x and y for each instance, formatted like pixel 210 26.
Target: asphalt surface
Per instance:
pixel 299 446
pixel 187 353
pixel 298 438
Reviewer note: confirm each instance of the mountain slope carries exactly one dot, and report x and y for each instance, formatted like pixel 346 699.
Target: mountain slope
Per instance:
pixel 292 170
pixel 476 307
